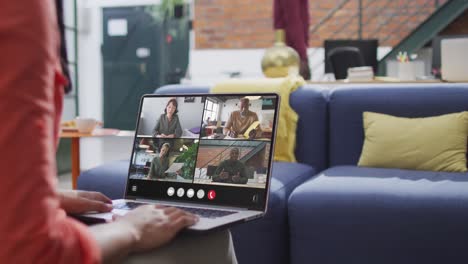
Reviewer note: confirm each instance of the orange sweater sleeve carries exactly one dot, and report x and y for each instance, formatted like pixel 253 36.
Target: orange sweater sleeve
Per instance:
pixel 33 228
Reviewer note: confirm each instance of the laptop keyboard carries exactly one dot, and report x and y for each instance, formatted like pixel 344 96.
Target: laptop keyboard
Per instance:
pixel 206 213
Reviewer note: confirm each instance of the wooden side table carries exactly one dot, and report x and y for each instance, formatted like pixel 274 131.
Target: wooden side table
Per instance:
pixel 75 146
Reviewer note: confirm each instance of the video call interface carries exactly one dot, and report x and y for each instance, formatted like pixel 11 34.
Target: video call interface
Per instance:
pixel 201 145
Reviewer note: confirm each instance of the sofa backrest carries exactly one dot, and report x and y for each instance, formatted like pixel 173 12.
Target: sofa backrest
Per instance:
pixel 311 106
pixel 312 130
pixel 346 106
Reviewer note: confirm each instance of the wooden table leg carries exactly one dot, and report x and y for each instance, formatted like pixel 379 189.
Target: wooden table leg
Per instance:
pixel 75 156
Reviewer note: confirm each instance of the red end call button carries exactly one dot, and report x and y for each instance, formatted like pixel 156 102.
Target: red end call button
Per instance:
pixel 211 194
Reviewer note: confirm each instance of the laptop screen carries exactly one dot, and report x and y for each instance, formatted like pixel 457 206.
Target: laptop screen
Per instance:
pixel 211 149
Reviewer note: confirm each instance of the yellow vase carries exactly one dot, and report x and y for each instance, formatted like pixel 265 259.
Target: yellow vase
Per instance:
pixel 280 60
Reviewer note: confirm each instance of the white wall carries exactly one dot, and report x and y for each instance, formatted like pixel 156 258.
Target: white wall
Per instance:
pixel 190 114
pixel 95 151
pixel 209 66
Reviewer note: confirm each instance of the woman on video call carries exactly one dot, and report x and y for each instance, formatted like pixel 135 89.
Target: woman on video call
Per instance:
pixel 35 224
pixel 160 163
pixel 168 124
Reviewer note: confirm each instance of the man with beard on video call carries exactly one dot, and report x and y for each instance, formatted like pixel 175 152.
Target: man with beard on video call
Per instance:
pixel 231 170
pixel 239 121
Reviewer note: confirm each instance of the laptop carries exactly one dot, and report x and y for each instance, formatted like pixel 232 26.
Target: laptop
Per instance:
pixel 454 59
pixel 223 180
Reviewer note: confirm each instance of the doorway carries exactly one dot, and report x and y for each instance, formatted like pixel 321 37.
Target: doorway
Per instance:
pixel 140 53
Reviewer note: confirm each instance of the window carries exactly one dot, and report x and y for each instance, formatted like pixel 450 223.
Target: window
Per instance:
pixel 70 110
pixel 211 110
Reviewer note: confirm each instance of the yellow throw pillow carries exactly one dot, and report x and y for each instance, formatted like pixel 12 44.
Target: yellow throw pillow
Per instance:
pixel 436 143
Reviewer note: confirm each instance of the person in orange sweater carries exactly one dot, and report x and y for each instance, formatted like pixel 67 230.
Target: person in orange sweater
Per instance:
pixel 34 226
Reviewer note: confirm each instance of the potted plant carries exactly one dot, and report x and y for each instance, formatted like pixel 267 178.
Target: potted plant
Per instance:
pixel 188 157
pixel 172 8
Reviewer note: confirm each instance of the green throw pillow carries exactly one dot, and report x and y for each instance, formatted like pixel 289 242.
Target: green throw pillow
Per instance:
pixel 436 143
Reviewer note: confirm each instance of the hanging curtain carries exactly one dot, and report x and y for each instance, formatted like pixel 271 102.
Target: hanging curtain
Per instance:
pixel 293 17
pixel 63 46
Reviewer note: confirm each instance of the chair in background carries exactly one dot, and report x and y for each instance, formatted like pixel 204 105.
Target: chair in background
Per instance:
pixel 342 58
pixel 147 167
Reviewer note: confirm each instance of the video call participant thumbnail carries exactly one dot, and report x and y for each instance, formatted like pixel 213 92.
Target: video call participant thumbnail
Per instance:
pixel 160 164
pixel 231 170
pixel 241 120
pixel 168 124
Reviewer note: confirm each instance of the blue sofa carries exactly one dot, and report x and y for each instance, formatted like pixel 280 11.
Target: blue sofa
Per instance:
pixel 325 209
pixel 350 214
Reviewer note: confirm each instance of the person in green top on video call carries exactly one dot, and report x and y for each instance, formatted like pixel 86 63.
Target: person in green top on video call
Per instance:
pixel 160 163
pixel 168 124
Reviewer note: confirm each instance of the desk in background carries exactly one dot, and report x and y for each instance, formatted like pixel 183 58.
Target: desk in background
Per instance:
pixel 75 147
pixel 209 130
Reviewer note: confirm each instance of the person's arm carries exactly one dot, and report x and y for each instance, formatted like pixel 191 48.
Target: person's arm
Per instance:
pixel 164 166
pixel 178 130
pixel 36 229
pixel 215 177
pixel 217 174
pixel 241 176
pixel 157 127
pixel 146 227
pixel 160 165
pixel 228 125
pixel 153 170
pixel 257 132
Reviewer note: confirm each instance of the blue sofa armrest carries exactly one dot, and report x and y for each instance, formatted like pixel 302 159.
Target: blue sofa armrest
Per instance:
pixel 109 178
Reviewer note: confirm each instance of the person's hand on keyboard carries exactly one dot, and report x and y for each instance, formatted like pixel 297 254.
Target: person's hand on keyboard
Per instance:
pixel 78 202
pixel 153 226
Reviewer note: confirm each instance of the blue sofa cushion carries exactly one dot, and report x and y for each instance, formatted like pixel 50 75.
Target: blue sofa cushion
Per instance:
pixel 267 240
pixel 310 103
pixel 346 106
pixel 109 178
pixel 349 214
